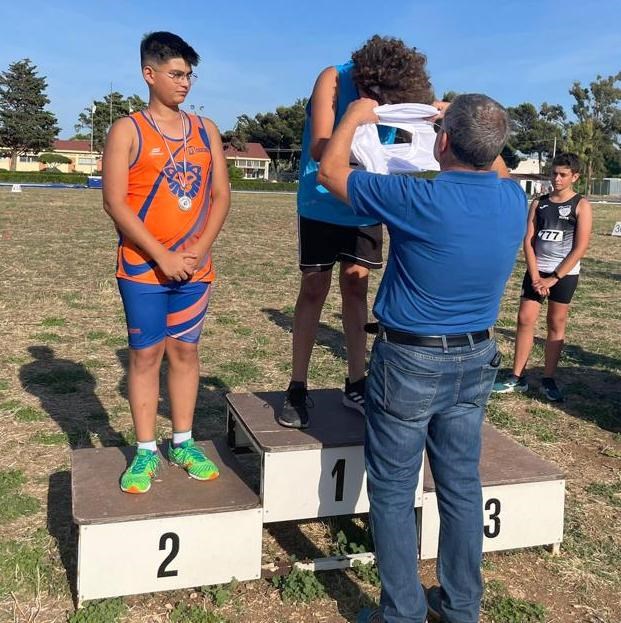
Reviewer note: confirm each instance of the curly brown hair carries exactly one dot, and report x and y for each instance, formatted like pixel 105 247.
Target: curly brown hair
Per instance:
pixel 390 72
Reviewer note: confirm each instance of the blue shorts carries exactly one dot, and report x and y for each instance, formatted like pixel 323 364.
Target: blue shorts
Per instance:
pixel 155 312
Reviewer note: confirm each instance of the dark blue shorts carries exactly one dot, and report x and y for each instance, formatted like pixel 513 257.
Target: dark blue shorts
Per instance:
pixel 155 312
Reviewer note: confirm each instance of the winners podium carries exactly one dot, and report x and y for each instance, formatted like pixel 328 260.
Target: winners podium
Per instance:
pixel 185 533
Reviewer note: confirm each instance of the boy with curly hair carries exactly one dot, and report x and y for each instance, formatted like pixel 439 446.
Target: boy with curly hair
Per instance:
pixel 390 72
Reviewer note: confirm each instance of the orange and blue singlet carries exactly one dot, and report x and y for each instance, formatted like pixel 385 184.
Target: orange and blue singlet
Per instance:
pixel 156 307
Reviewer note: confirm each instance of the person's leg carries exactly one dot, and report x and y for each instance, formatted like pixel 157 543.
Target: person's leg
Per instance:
pixel 453 446
pixel 145 312
pixel 187 307
pixel 398 405
pixel 183 373
pixel 143 388
pixel 145 308
pixel 359 251
pixel 317 258
pixel 314 288
pixel 525 334
pixel 557 322
pixel 354 283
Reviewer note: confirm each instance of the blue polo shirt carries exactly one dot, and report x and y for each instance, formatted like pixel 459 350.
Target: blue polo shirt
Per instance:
pixel 453 243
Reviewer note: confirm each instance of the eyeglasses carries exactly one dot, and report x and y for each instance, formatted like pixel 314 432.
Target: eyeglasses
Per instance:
pixel 179 76
pixel 437 126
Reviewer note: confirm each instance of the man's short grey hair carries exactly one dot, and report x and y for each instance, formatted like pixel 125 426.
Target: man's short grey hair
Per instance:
pixel 478 128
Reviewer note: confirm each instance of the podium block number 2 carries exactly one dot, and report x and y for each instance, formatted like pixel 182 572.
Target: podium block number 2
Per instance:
pixel 173 539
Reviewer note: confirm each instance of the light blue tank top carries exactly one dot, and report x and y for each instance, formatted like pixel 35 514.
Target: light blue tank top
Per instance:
pixel 314 200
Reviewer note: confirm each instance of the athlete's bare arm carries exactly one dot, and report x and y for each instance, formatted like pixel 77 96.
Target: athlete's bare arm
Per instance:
pixel 220 192
pixel 323 111
pixel 529 244
pixel 118 153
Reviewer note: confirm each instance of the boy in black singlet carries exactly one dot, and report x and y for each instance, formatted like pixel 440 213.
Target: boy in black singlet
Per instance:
pixel 559 228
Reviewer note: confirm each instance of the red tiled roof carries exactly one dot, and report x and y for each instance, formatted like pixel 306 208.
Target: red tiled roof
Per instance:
pixel 253 150
pixel 63 145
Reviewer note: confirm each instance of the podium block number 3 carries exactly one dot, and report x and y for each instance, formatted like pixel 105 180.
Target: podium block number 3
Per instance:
pixel 165 539
pixel 492 530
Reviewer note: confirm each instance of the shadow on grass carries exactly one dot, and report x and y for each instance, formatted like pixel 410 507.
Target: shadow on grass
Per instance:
pixel 326 335
pixel 61 527
pixel 66 391
pixel 591 384
pixel 210 411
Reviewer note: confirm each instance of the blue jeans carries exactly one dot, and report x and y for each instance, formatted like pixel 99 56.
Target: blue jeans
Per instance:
pixel 421 397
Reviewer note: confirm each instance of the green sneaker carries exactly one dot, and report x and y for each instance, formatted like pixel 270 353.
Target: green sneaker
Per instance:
pixel 192 458
pixel 512 384
pixel 138 476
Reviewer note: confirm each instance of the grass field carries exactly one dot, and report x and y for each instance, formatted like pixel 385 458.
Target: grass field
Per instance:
pixel 62 386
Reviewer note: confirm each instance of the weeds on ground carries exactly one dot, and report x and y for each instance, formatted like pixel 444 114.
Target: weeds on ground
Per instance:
pixel 500 607
pixel 367 572
pixel 182 613
pixel 299 586
pixel 220 594
pixel 104 611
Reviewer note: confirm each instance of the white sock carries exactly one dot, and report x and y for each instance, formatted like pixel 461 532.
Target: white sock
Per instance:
pixel 147 445
pixel 179 438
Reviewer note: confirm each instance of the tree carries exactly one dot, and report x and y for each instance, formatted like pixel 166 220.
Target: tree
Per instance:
pixel 25 125
pixel 595 135
pixel 112 107
pixel 235 173
pixel 54 158
pixel 449 96
pixel 537 131
pixel 283 128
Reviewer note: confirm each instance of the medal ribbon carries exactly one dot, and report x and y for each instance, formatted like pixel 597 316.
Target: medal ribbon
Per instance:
pixel 185 148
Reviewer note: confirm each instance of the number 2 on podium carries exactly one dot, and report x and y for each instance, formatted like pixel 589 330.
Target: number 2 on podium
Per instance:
pixel 162 571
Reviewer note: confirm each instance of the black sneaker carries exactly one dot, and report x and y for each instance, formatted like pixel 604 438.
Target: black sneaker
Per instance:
pixel 551 390
pixel 353 396
pixel 434 604
pixel 294 412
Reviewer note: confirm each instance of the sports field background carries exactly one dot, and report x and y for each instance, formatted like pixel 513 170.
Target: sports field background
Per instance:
pixel 62 385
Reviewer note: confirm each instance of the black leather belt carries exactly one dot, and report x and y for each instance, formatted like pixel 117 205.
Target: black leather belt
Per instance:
pixel 439 341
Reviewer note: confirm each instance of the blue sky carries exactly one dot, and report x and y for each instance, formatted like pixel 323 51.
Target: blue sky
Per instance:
pixel 258 55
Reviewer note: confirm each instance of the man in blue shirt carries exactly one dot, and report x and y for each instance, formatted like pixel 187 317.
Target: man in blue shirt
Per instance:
pixel 453 242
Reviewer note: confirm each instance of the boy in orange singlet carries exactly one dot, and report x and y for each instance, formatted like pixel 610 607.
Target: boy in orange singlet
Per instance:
pixel 166 187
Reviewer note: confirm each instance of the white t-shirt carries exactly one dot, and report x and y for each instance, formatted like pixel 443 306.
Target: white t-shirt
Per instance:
pixel 400 157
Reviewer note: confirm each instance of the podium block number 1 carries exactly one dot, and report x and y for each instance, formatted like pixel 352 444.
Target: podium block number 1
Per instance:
pixel 339 473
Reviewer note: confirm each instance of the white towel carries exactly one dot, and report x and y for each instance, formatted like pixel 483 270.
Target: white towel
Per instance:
pixel 401 157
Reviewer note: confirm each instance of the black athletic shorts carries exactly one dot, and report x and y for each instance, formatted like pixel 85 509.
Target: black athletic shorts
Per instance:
pixel 324 244
pixel 562 292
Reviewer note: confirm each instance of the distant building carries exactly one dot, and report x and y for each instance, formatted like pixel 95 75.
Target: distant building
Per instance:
pixel 529 166
pixel 253 160
pixel 528 175
pixel 607 186
pixel 83 160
